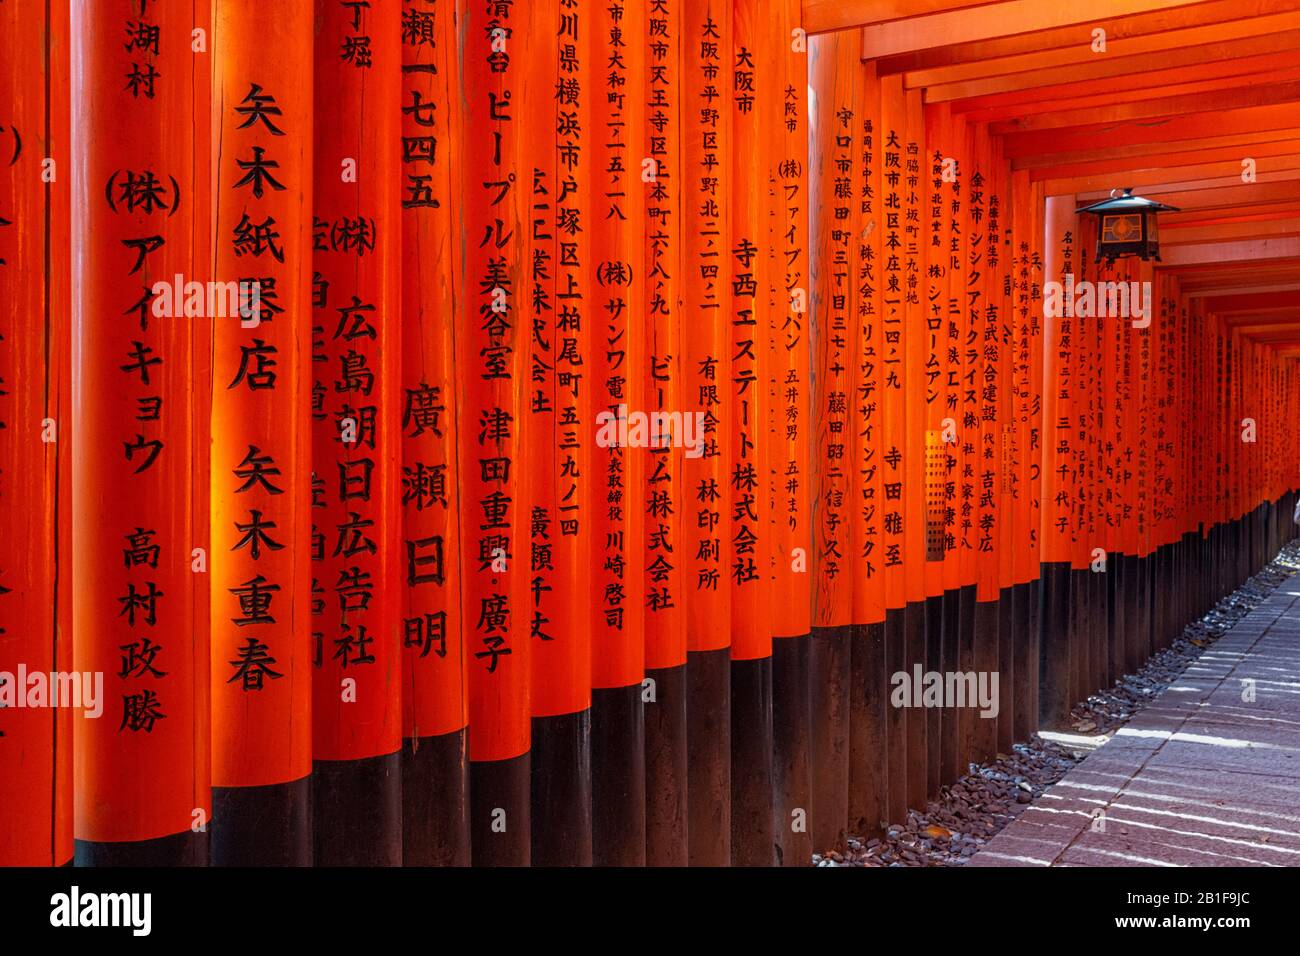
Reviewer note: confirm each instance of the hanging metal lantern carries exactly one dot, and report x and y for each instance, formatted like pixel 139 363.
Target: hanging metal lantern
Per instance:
pixel 1127 226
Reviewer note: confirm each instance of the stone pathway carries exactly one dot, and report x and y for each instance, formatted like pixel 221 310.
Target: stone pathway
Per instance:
pixel 1208 774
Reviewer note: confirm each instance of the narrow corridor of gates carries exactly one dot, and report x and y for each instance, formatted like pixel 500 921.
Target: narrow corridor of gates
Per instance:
pixel 1035 457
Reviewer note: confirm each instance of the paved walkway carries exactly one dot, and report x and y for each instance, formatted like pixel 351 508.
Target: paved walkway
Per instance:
pixel 1204 776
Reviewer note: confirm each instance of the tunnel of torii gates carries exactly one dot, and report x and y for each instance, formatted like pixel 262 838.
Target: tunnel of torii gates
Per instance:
pixel 620 393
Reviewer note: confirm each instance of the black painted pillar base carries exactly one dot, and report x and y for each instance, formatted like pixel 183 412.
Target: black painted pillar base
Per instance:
pixel 1023 599
pixel 868 731
pixel 895 719
pixel 178 849
pixel 1007 675
pixel 832 663
pixel 1160 605
pixel 1114 619
pixel 984 730
pixel 561 790
pixel 500 821
pixel 937 719
pixel 1148 606
pixel 952 758
pixel 968 637
pixel 357 811
pixel 1054 681
pixel 917 731
pixel 962 725
pixel 1132 620
pixel 753 794
pixel 792 738
pixel 262 826
pixel 1078 648
pixel 666 830
pixel 708 756
pixel 1091 634
pixel 435 800
pixel 618 776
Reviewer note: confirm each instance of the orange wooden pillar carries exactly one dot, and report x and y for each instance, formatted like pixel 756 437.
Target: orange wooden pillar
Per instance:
pixel 1235 456
pixel 987 381
pixel 556 108
pixel 1210 409
pixel 35 438
pixel 937 394
pixel 1199 461
pixel 1129 426
pixel 958 433
pixel 140 612
pixel 1216 384
pixel 869 678
pixel 435 766
pixel 491 351
pixel 790 414
pixel 1108 464
pixel 619 517
pixel 668 496
pixel 754 81
pixel 1157 333
pixel 1143 395
pixel 1057 692
pixel 260 493
pixel 705 35
pixel 357 412
pixel 1235 459
pixel 1182 498
pixel 1080 329
pixel 667 491
pixel 1029 299
pixel 1186 492
pixel 1229 436
pixel 894 444
pixel 1164 319
pixel 918 396
pixel 1122 480
pixel 1023 601
pixel 1127 492
pixel 834 76
pixel 1251 409
pixel 1248 411
pixel 972 333
pixel 1087 551
pixel 1026 314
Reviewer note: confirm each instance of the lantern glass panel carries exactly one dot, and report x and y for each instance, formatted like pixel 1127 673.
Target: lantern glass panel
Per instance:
pixel 1126 227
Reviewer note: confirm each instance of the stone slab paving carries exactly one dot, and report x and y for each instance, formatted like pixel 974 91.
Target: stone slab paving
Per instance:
pixel 1203 776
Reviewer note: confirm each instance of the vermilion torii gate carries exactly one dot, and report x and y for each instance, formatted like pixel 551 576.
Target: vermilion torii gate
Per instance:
pixel 368 580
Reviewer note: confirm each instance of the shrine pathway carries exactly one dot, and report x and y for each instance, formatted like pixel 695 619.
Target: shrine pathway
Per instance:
pixel 1207 775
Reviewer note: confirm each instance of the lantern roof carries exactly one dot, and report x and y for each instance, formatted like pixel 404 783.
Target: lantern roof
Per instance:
pixel 1128 203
